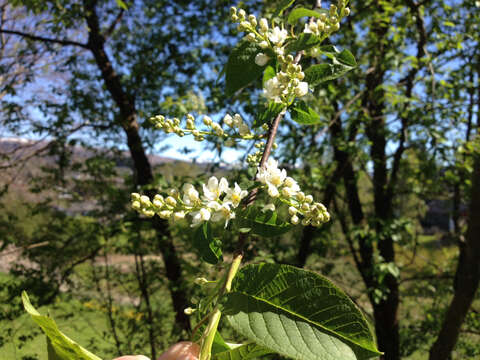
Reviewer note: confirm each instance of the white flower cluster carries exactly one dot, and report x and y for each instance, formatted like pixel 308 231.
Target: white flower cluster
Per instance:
pixel 285 84
pixel 218 202
pixel 238 128
pixel 280 186
pixel 328 23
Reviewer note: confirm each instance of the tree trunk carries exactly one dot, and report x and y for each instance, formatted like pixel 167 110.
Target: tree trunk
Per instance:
pixel 143 169
pixel 467 276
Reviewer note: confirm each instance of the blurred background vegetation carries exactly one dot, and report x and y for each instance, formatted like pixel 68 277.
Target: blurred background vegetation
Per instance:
pixel 394 158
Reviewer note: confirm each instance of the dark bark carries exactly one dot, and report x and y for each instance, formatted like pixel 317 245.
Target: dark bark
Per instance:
pixel 142 167
pixel 467 276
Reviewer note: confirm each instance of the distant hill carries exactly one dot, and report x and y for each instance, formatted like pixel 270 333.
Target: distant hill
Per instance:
pixel 22 161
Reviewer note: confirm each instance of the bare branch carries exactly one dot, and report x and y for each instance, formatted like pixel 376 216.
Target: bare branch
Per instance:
pixel 64 42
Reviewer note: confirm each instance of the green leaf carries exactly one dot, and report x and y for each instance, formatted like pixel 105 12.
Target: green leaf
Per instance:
pixel 268 74
pixel 300 12
pixel 262 223
pixel 303 42
pixel 219 345
pixel 241 69
pixel 284 4
pixel 61 347
pixel 347 58
pixel 122 4
pixel 242 352
pixel 303 114
pixel 207 246
pixel 297 313
pixel 267 114
pixel 344 57
pixel 320 73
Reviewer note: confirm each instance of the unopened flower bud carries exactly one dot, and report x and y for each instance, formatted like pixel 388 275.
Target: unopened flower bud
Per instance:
pixel 179 215
pixel 250 37
pixel 309 199
pixel 201 281
pixel 190 124
pixel 261 59
pixel 148 213
pixel 241 14
pixel 346 11
pixel 136 205
pixel 171 201
pixel 294 220
pixel 207 120
pixel 292 210
pixel 245 25
pixel 233 10
pixel 263 25
pixel 252 19
pixel 145 200
pixel 165 214
pixel 300 196
pixel 263 44
pixel 189 311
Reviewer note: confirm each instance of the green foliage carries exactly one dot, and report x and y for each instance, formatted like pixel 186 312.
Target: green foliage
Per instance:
pixel 297 313
pixel 303 114
pixel 261 223
pixel 207 246
pixel 298 13
pixel 242 352
pixel 241 69
pixel 303 42
pixel 63 347
pixel 266 115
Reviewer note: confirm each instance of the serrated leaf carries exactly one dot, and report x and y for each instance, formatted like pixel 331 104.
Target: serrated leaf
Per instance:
pixel 267 114
pixel 303 114
pixel 207 246
pixel 262 223
pixel 297 313
pixel 320 73
pixel 241 69
pixel 63 347
pixel 303 42
pixel 347 58
pixel 243 352
pixel 284 4
pixel 300 12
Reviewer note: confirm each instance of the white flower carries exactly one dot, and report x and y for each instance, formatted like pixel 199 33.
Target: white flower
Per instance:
pixel 277 36
pixel 223 213
pixel 273 90
pixel 263 25
pixel 243 129
pixel 307 29
pixel 235 195
pixel 228 120
pixel 237 120
pixel 301 89
pixel 263 44
pixel 199 216
pixel 261 59
pixel 190 194
pixel 179 215
pixel 271 174
pixel 214 188
pixel 273 191
pixel 218 129
pixel 267 207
